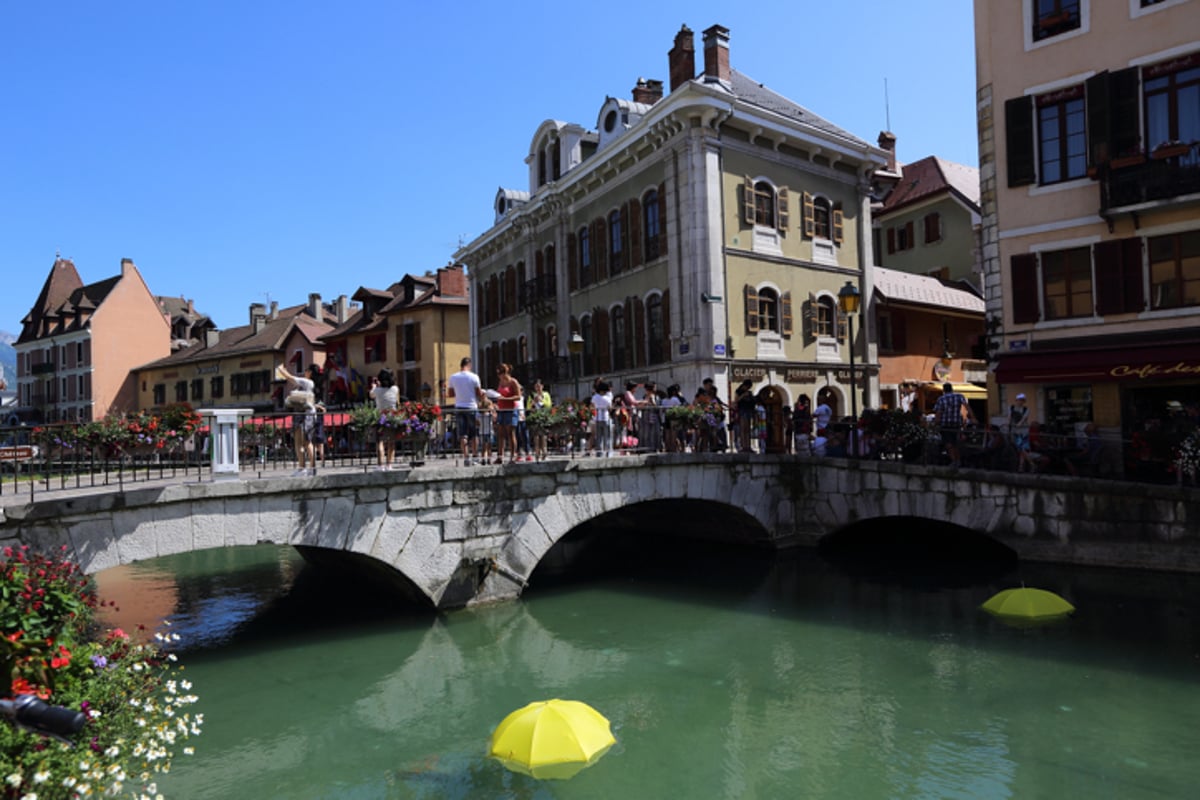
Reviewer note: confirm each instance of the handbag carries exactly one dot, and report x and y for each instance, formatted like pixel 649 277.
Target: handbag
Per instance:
pixel 298 400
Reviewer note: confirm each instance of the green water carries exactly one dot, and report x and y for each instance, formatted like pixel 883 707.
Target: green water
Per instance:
pixel 724 676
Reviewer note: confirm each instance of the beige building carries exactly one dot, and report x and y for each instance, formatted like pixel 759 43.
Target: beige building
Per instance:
pixel 1089 128
pixel 79 343
pixel 704 232
pixel 418 327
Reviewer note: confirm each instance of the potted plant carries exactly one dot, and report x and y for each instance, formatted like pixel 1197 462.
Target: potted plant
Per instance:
pixel 1171 149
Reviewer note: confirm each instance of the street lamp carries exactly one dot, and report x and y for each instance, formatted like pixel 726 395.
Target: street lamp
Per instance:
pixel 576 348
pixel 848 299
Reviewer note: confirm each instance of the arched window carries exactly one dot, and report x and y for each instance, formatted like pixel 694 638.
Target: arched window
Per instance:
pixel 655 329
pixel 556 160
pixel 585 257
pixel 826 317
pixel 651 227
pixel 589 345
pixel 615 256
pixel 617 326
pixel 764 204
pixel 522 350
pixel 541 166
pixel 768 310
pixel 821 217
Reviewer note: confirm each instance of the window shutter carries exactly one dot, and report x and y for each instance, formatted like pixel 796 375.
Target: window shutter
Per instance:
pixel 1018 132
pixel 899 331
pixel 1126 138
pixel 416 342
pixel 635 233
pixel 808 313
pixel 1023 268
pixel 625 248
pixel 603 352
pixel 662 223
pixel 1099 119
pixel 933 227
pixel 1131 261
pixel 891 244
pixel 748 200
pixel 909 236
pixel 841 326
pixel 751 309
pixel 782 216
pixel 666 318
pixel 838 224
pixel 600 247
pixel 639 332
pixel 806 215
pixel 399 342
pixel 1109 277
pixel 572 262
pixel 512 290
pixel 785 313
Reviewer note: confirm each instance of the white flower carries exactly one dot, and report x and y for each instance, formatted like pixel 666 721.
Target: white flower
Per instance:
pixel 187 751
pixel 29 796
pixel 14 779
pixel 112 752
pixel 41 777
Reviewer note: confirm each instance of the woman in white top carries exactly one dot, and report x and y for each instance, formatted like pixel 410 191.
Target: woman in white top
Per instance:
pixel 602 402
pixel 303 421
pixel 387 397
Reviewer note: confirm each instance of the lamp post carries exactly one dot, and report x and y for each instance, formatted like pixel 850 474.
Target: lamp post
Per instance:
pixel 576 348
pixel 848 299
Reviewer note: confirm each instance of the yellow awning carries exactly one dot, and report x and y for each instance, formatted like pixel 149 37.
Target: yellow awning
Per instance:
pixel 967 390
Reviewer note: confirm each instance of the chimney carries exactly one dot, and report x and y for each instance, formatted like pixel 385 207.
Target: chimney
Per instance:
pixel 314 306
pixel 451 281
pixel 258 316
pixel 342 309
pixel 647 92
pixel 211 337
pixel 716 54
pixel 274 309
pixel 191 307
pixel 887 141
pixel 681 61
pixel 127 265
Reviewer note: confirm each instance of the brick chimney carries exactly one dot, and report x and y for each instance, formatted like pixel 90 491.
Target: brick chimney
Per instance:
pixel 716 53
pixel 647 92
pixel 681 61
pixel 887 141
pixel 451 281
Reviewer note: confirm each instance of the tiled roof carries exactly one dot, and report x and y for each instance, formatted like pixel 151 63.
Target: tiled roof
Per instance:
pixel 930 176
pixel 905 287
pixel 243 339
pixel 758 94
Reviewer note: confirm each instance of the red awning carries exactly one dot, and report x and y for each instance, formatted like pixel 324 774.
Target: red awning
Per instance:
pixel 1126 365
pixel 332 419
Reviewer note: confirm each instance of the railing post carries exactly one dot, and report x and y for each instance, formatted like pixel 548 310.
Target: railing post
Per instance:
pixel 223 440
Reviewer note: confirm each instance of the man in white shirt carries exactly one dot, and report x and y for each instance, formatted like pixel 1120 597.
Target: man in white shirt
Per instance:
pixel 467 391
pixel 602 402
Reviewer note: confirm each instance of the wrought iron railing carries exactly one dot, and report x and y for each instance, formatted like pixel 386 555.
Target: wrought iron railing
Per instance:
pixel 1171 171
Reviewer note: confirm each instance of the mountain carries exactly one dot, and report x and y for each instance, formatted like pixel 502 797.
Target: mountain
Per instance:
pixel 8 358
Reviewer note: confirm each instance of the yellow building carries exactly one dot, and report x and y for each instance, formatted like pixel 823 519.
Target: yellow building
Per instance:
pixel 1089 129
pixel 702 233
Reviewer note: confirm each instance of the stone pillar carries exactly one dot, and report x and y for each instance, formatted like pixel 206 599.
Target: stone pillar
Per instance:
pixel 223 440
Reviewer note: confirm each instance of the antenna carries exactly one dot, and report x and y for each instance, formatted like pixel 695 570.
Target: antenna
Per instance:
pixel 887 109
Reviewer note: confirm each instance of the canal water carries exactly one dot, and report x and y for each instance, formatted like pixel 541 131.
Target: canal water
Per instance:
pixel 725 674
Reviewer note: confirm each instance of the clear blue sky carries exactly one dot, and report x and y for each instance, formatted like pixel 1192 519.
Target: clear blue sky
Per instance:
pixel 240 150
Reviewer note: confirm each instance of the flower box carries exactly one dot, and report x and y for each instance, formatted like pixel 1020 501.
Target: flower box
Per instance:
pixel 1170 151
pixel 1123 162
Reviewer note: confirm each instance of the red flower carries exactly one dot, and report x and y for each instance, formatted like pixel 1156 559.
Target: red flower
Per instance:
pixel 22 686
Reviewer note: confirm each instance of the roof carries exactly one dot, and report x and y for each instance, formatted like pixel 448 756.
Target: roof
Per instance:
pixel 931 176
pixel 751 91
pixel 63 294
pixel 243 339
pixel 424 291
pixel 905 287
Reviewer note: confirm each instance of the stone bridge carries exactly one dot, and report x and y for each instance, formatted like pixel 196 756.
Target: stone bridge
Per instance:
pixel 460 535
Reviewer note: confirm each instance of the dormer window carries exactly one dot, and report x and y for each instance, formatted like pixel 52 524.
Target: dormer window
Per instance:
pixel 610 121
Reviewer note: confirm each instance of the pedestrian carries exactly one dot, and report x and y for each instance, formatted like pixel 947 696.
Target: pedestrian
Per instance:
pixel 950 410
pixel 467 391
pixel 302 401
pixel 802 426
pixel 743 407
pixel 822 416
pixel 509 400
pixel 602 403
pixel 539 400
pixel 1018 433
pixel 386 395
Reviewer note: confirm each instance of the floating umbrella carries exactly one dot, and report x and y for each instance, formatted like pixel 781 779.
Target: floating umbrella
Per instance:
pixel 551 739
pixel 1027 605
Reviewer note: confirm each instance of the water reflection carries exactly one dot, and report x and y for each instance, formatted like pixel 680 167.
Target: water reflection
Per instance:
pixel 724 676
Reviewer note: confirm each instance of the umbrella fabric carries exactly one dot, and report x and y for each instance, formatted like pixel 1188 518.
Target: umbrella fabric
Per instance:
pixel 1028 604
pixel 551 739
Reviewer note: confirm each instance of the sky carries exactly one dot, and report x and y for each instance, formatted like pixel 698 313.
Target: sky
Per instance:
pixel 247 152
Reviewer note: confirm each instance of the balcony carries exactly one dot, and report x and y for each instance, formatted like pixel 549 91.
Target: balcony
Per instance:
pixel 539 296
pixel 1170 172
pixel 42 369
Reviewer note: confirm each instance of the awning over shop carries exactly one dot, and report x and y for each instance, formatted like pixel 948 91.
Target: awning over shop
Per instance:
pixel 967 390
pixel 332 419
pixel 1134 364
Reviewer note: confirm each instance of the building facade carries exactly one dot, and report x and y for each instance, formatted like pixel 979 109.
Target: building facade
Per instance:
pixel 702 233
pixel 1089 131
pixel 79 344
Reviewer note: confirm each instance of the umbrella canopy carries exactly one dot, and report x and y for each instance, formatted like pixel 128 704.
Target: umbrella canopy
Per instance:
pixel 551 739
pixel 1028 605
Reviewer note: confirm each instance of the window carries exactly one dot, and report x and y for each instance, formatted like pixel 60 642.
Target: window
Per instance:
pixel 1175 270
pixel 768 310
pixel 1052 17
pixel 1172 93
pixel 181 389
pixel 826 322
pixel 655 329
pixel 1062 136
pixel 160 394
pixel 764 204
pixel 883 332
pixel 375 348
pixel 79 353
pixel 904 237
pixel 585 257
pixel 216 387
pixel 198 389
pixel 412 342
pixel 503 288
pixel 617 326
pixel 1067 283
pixel 933 228
pixel 650 225
pixel 589 346
pixel 614 239
pixel 79 387
pixel 821 219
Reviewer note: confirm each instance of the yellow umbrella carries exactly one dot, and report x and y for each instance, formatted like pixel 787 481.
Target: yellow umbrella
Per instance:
pixel 551 739
pixel 1027 605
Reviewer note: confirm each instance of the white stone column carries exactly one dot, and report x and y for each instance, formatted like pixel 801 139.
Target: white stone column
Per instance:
pixel 223 440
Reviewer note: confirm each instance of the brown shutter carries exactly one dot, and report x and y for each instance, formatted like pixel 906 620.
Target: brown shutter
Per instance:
pixel 1125 137
pixel 416 342
pixel 1109 277
pixel 806 207
pixel 1023 269
pixel 1099 119
pixel 632 342
pixel 748 200
pixel 1018 132
pixel 399 343
pixel 635 233
pixel 666 314
pixel 1131 261
pixel 751 309
pixel 891 240
pixel 809 316
pixel 782 216
pixel 625 243
pixel 785 313
pixel 572 262
pixel 909 235
pixel 841 320
pixel 662 221
pixel 600 248
pixel 639 327
pixel 600 330
pixel 899 331
pixel 838 224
